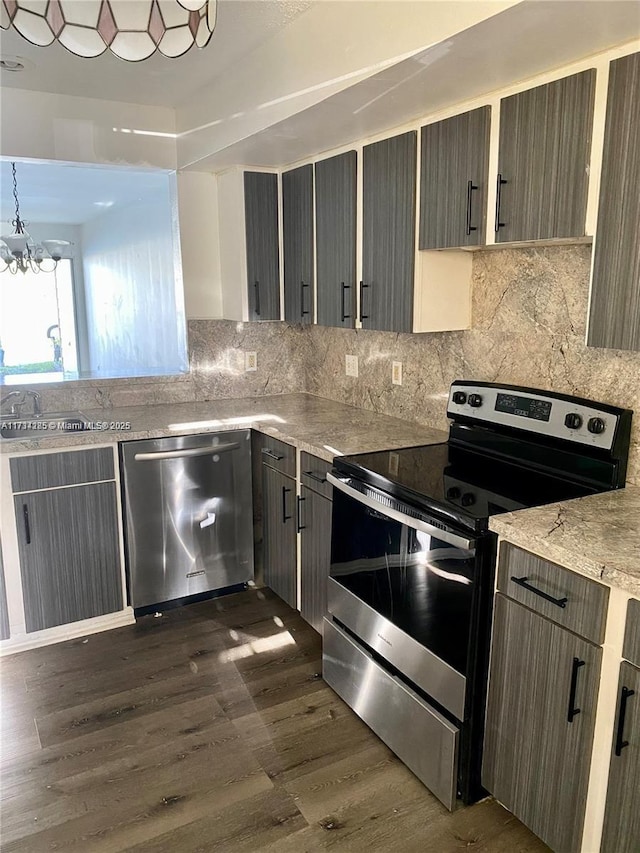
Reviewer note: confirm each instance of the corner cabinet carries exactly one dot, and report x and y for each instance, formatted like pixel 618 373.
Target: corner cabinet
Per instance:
pixel 262 245
pixel 454 165
pixel 614 314
pixel 297 235
pixel 388 240
pixel 279 518
pixel 335 197
pixel 68 536
pixel 543 161
pixel 314 524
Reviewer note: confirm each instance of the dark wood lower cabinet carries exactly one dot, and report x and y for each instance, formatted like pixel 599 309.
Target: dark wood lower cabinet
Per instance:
pixel 543 689
pixel 622 816
pixel 69 554
pixel 5 632
pixel 279 526
pixel 315 555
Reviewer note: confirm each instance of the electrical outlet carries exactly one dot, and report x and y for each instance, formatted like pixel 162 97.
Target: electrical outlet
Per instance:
pixel 351 365
pixel 396 372
pixel 250 361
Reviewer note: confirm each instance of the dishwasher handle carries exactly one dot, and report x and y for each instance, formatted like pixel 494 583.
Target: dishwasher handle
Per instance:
pixel 158 455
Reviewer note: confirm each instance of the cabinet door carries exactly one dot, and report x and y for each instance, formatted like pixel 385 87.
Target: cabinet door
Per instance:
pixel 297 228
pixel 388 239
pixel 454 163
pixel 614 319
pixel 622 816
pixel 69 554
pixel 263 258
pixel 315 555
pixel 279 520
pixel 336 240
pixel 543 688
pixel 5 632
pixel 545 146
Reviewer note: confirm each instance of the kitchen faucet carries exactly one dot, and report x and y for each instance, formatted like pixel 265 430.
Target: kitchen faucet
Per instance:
pixel 37 408
pixel 16 406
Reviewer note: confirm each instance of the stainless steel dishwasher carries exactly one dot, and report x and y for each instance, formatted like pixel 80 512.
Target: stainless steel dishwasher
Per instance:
pixel 188 511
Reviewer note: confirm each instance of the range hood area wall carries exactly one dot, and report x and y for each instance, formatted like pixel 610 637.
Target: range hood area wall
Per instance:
pixel 529 309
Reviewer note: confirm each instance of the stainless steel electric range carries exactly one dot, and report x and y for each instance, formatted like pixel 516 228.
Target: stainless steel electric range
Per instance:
pixel 412 563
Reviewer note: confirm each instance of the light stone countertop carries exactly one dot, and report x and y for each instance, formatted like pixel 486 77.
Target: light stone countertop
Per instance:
pixel 597 536
pixel 319 426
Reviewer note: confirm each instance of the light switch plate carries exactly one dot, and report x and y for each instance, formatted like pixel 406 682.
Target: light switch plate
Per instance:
pixel 396 372
pixel 250 361
pixel 351 365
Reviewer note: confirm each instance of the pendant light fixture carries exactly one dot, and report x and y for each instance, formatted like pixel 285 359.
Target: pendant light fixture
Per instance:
pixel 19 251
pixel 132 29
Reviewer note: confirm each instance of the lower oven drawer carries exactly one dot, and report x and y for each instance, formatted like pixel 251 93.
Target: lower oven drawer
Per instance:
pixel 421 738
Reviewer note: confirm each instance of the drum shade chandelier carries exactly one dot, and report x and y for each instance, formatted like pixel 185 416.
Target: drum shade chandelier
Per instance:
pixel 21 253
pixel 132 29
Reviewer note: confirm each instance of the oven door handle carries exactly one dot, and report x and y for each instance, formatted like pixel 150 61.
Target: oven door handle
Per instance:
pixel 394 514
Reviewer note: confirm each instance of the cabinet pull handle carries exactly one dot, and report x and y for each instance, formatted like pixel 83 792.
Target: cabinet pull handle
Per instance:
pixel 285 517
pixel 27 527
pixel 363 316
pixel 344 315
pixel 523 582
pixel 573 711
pixel 271 454
pixel 625 693
pixel 299 525
pixel 315 477
pixel 500 184
pixel 302 287
pixel 470 188
pixel 257 287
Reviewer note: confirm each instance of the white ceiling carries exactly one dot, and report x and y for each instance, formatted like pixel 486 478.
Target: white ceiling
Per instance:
pixel 525 40
pixel 71 194
pixel 241 26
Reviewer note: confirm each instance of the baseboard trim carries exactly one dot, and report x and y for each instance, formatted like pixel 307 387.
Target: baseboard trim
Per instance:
pixel 23 642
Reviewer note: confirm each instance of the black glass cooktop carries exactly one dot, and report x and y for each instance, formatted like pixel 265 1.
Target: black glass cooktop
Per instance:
pixel 458 484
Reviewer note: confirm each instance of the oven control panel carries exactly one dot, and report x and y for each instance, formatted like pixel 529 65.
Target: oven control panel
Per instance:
pixel 538 412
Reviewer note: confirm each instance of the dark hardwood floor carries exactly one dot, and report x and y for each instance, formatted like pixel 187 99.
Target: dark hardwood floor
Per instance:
pixel 210 729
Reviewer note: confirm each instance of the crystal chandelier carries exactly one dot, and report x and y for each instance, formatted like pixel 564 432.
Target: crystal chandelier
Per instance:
pixel 132 29
pixel 18 250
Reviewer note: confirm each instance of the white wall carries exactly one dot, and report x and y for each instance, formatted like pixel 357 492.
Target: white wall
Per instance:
pixel 327 48
pixel 200 243
pixel 134 300
pixel 85 130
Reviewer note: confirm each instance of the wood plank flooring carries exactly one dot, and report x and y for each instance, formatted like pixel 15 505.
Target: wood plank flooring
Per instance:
pixel 210 729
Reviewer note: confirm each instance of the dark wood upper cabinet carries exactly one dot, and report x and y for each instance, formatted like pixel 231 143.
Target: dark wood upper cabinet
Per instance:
pixel 454 165
pixel 388 237
pixel 543 161
pixel 336 239
pixel 297 233
pixel 614 316
pixel 262 239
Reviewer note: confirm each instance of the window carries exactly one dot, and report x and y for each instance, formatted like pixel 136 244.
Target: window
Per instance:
pixel 38 340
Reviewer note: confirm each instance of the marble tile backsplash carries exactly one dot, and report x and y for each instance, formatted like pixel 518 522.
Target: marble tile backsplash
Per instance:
pixel 529 322
pixel 529 317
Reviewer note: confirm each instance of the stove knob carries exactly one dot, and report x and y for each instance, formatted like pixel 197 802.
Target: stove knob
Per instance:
pixel 573 420
pixel 453 493
pixel 475 401
pixel 596 426
pixel 459 397
pixel 468 499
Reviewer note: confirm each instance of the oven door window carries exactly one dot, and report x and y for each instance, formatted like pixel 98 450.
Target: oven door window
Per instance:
pixel 422 584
